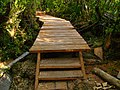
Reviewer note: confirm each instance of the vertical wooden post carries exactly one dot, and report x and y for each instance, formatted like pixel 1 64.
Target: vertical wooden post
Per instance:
pixel 82 64
pixel 37 71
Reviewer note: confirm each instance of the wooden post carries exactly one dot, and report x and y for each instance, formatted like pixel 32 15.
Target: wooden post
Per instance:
pixel 82 64
pixel 37 71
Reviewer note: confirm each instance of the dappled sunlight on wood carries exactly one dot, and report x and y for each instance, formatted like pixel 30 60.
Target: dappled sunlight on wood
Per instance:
pixel 48 40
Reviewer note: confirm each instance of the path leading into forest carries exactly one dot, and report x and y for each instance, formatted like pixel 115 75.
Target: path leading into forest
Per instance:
pixel 58 36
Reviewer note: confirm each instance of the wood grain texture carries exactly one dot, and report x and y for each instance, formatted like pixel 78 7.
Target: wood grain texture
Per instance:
pixel 56 27
pixel 60 75
pixel 82 65
pixel 58 35
pixel 37 71
pixel 59 63
pixel 59 48
pixel 57 23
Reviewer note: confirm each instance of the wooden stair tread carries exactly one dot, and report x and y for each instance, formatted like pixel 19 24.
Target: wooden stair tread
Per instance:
pixel 60 75
pixel 60 63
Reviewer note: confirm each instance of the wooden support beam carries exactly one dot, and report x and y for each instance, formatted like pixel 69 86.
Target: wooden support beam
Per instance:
pixel 37 71
pixel 82 64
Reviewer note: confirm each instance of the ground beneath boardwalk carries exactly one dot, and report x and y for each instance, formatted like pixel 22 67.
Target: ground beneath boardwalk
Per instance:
pixel 23 74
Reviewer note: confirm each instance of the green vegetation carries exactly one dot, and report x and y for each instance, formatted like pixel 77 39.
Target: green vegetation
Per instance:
pixel 18 27
pixel 96 20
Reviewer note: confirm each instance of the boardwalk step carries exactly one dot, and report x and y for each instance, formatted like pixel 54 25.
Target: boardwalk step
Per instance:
pixel 60 75
pixel 60 63
pixel 56 27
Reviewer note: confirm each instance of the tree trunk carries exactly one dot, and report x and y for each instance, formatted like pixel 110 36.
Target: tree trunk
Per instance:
pixel 107 77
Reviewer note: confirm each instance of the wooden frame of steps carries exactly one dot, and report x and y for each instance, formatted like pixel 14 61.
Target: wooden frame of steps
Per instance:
pixel 61 75
pixel 58 35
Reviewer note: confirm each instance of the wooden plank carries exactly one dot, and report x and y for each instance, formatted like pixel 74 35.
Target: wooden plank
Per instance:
pixel 60 63
pixel 64 21
pixel 59 43
pixel 37 71
pixel 47 17
pixel 53 21
pixel 39 39
pixel 58 35
pixel 64 35
pixel 59 48
pixel 61 34
pixel 52 18
pixel 56 27
pixel 60 75
pixel 43 20
pixel 82 65
pixel 59 30
pixel 57 23
pixel 62 31
pixel 48 39
pixel 52 47
pixel 60 39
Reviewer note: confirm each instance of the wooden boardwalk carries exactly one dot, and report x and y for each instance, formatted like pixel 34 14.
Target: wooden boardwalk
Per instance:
pixel 58 35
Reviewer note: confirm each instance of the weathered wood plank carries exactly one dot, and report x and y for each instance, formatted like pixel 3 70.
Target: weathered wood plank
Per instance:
pixel 37 71
pixel 58 35
pixel 82 65
pixel 59 48
pixel 56 27
pixel 57 24
pixel 52 20
pixel 60 63
pixel 80 42
pixel 60 75
pixel 59 30
pixel 62 39
pixel 48 17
